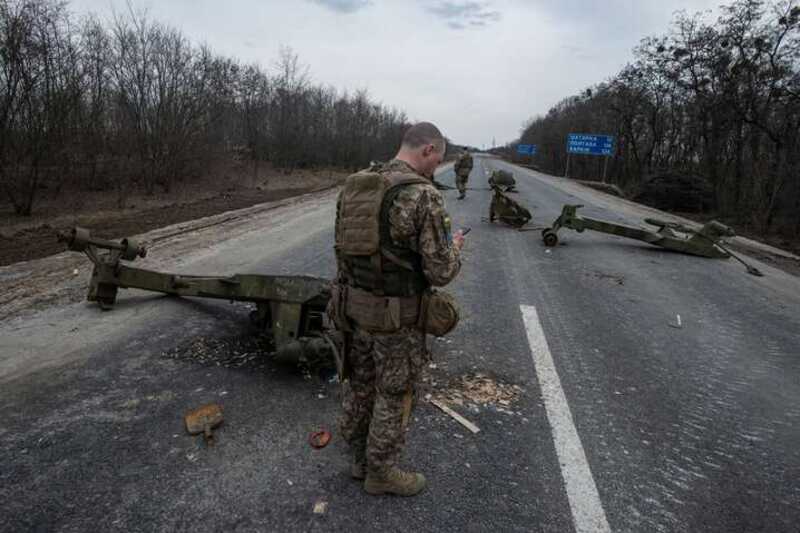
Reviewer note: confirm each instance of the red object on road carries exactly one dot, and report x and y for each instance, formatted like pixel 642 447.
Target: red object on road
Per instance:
pixel 319 439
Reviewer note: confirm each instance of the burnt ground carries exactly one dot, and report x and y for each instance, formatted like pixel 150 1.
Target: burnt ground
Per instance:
pixel 26 238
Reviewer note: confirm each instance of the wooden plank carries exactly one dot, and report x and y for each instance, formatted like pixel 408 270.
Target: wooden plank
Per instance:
pixel 457 417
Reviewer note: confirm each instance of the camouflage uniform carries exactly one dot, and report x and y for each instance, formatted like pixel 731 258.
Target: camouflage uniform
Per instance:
pixel 462 167
pixel 385 366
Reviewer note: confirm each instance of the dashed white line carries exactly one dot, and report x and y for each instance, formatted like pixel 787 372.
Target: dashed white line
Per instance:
pixel 584 501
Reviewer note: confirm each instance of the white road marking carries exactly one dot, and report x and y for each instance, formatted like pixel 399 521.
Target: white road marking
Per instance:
pixel 584 501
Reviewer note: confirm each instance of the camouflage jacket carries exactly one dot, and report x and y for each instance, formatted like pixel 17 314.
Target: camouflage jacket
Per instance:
pixel 420 222
pixel 463 164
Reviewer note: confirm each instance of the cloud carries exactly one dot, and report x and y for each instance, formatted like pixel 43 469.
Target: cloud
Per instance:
pixel 343 6
pixel 462 14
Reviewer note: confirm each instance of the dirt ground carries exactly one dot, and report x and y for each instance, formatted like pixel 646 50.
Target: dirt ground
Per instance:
pixel 26 238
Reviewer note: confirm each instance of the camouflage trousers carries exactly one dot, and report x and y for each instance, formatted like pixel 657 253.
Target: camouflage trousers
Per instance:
pixel 383 369
pixel 461 183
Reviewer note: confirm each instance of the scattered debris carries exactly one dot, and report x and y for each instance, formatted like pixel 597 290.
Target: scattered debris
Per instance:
pixel 614 278
pixel 457 417
pixel 320 507
pixel 319 439
pixel 478 389
pixel 238 351
pixel 131 404
pixel 204 420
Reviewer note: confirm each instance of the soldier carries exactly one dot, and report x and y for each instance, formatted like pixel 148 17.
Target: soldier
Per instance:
pixel 462 167
pixel 393 243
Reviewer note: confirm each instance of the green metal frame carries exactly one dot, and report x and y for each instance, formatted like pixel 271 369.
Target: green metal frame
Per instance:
pixel 291 309
pixel 705 242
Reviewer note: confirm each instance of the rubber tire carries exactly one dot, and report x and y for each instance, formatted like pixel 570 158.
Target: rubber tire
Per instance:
pixel 550 239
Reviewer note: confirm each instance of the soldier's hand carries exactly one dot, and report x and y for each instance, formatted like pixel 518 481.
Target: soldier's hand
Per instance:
pixel 458 239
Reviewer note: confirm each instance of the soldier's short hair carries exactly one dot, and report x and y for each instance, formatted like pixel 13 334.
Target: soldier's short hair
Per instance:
pixel 423 133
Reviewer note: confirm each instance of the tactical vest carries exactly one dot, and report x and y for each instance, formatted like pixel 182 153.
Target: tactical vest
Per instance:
pixel 368 258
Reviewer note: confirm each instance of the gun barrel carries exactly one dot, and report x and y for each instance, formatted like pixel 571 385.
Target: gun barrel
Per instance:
pixel 79 239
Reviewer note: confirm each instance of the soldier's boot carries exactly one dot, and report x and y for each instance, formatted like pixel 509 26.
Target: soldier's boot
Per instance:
pixel 394 481
pixel 462 195
pixel 358 468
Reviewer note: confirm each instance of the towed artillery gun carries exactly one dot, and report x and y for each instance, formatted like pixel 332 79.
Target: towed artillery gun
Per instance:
pixel 507 210
pixel 504 180
pixel 289 309
pixel 705 242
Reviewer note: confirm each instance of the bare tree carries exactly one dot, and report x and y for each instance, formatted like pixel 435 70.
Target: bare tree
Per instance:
pixel 717 99
pixel 137 105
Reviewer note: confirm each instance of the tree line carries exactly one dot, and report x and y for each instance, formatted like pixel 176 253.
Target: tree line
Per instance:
pixel 133 104
pixel 718 99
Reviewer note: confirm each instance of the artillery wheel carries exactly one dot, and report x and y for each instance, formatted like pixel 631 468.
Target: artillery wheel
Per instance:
pixel 550 238
pixel 132 249
pixel 78 239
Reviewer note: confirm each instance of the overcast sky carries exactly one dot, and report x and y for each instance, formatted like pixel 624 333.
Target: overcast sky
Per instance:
pixel 478 69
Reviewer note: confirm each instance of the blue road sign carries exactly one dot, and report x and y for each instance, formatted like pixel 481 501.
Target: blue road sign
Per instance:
pixel 526 149
pixel 582 143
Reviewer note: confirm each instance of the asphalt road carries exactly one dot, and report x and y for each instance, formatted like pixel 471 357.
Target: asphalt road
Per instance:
pixel 636 424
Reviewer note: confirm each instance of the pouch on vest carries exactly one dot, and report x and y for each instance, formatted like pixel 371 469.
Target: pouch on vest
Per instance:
pixel 360 217
pixel 381 314
pixel 440 313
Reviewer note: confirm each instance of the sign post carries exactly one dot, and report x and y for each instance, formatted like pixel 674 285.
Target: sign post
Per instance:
pixel 527 149
pixel 590 144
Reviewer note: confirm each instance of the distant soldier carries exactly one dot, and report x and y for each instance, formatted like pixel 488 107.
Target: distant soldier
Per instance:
pixel 462 167
pixel 503 179
pixel 393 243
pixel 506 210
